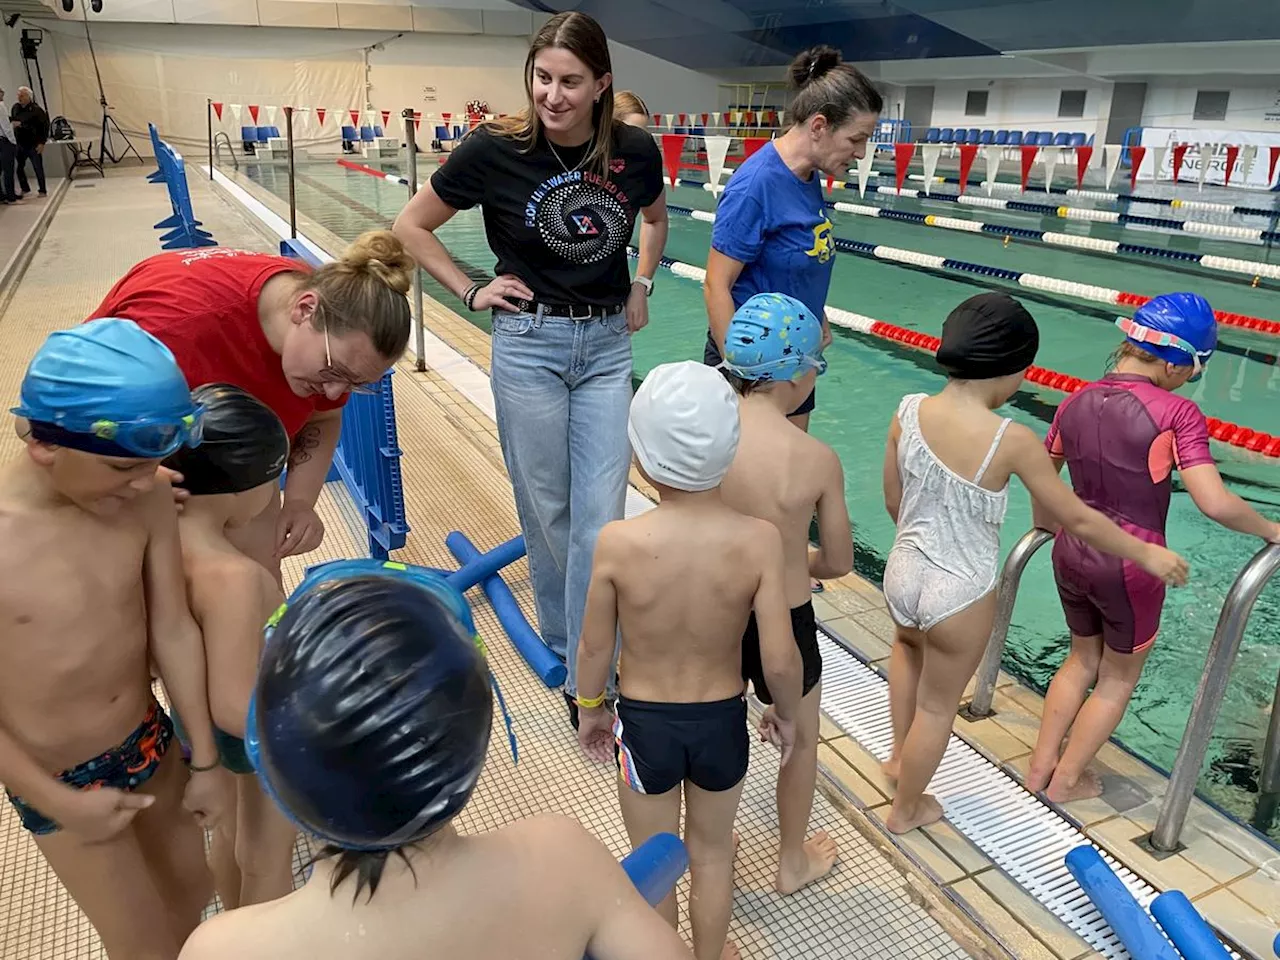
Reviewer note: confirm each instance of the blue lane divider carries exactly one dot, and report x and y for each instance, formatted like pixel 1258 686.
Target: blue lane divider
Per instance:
pixel 367 460
pixel 546 665
pixel 183 228
pixel 1136 930
pixel 1193 937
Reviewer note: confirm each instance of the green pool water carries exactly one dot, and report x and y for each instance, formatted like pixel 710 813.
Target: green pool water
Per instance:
pixel 867 378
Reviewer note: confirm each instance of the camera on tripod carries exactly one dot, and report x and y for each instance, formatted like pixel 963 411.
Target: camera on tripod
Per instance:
pixel 30 42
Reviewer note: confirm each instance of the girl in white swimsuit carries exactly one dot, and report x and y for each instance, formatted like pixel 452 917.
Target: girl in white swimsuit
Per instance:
pixel 946 485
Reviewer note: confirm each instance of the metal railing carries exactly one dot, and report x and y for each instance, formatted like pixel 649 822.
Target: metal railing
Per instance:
pixel 1006 594
pixel 219 139
pixel 1213 687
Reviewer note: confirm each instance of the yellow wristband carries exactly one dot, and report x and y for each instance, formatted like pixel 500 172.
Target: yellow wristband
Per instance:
pixel 590 703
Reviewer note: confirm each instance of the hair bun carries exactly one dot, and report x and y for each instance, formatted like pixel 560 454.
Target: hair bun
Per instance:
pixel 381 253
pixel 812 64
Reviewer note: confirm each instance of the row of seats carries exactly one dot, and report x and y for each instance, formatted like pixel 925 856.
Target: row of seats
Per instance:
pixel 252 135
pixel 1005 138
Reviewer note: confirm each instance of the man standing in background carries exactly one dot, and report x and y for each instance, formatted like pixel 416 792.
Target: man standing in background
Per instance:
pixel 8 150
pixel 31 125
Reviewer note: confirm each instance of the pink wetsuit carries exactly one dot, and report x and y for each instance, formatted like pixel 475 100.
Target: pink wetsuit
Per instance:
pixel 1121 437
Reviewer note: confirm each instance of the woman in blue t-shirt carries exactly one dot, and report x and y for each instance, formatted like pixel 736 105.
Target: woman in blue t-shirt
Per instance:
pixel 772 233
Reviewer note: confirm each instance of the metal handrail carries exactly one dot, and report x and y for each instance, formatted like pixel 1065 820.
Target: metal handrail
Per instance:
pixel 218 139
pixel 1213 687
pixel 420 331
pixel 1006 594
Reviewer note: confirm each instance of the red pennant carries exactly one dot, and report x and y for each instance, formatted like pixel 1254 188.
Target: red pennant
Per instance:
pixel 320 112
pixel 751 118
pixel 902 154
pixel 728 120
pixel 446 117
pixel 1179 154
pixel 1233 153
pixel 253 112
pixel 1136 155
pixel 217 108
pixel 1028 161
pixel 417 120
pixel 355 118
pixel 672 148
pixel 751 144
pixel 968 153
pixel 706 118
pixel 1083 156
pixel 684 119
pixel 1271 170
pixel 386 119
pixel 657 119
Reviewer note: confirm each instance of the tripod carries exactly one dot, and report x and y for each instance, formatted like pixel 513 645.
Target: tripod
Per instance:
pixel 30 43
pixel 108 121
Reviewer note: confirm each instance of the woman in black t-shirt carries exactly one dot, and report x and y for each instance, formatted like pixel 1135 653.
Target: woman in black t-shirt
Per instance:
pixel 560 186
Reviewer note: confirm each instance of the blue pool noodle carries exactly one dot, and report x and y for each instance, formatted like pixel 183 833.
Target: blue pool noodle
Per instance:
pixel 487 564
pixel 656 866
pixel 545 664
pixel 1193 937
pixel 1135 929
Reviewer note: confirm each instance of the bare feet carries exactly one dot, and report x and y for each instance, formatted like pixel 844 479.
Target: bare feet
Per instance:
pixel 1085 788
pixel 891 768
pixel 927 811
pixel 1038 776
pixel 820 856
pixel 730 951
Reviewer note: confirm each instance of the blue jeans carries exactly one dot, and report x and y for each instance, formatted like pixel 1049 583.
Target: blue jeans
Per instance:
pixel 562 393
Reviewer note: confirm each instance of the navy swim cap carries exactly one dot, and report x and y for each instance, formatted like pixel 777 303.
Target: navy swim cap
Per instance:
pixel 244 443
pixel 108 387
pixel 370 719
pixel 1186 316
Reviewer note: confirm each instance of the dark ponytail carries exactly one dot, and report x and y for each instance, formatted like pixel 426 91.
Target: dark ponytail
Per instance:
pixel 826 85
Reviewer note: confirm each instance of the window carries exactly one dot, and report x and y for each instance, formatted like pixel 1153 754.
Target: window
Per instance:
pixel 1211 104
pixel 1071 104
pixel 975 103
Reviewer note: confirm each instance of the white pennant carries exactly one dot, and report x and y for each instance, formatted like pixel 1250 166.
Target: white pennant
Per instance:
pixel 1206 155
pixel 1247 156
pixel 1157 161
pixel 235 112
pixel 994 155
pixel 1051 156
pixel 864 169
pixel 671 121
pixel 271 115
pixel 717 151
pixel 929 153
pixel 1114 152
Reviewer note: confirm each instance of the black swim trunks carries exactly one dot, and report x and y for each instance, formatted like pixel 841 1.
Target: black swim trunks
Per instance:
pixel 805 627
pixel 660 745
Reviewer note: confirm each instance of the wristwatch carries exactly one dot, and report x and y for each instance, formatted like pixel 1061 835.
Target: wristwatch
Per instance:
pixel 646 283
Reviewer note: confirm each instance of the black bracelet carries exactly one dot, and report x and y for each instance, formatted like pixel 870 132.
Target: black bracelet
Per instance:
pixel 195 769
pixel 469 298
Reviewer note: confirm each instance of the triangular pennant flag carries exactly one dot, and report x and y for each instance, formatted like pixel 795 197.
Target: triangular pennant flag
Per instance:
pixel 271 116
pixel 1136 156
pixel 355 117
pixel 235 111
pixel 320 112
pixel 751 144
pixel 217 108
pixel 706 119
pixel 672 148
pixel 417 120
pixel 994 156
pixel 1113 155
pixel 386 119
pixel 1248 157
pixel 1206 158
pixel 968 154
pixel 1157 161
pixel 1028 161
pixel 929 154
pixel 1083 156
pixel 1050 161
pixel 902 154
pixel 446 117
pixel 717 151
pixel 1233 154
pixel 684 119
pixel 253 112
pixel 864 169
pixel 1179 154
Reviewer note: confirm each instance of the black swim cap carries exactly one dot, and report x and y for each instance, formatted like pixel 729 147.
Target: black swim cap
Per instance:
pixel 988 336
pixel 245 444
pixel 370 720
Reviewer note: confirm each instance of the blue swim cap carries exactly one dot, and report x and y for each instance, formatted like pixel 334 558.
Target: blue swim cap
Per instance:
pixel 773 337
pixel 108 387
pixel 1186 316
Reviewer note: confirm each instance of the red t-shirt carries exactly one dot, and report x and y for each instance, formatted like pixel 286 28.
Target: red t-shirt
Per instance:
pixel 203 305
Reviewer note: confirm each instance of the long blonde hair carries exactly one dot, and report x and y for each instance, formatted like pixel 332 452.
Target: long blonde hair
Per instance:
pixel 585 39
pixel 365 292
pixel 626 104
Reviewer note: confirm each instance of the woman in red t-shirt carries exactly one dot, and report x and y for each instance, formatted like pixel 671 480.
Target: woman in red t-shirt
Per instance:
pixel 298 340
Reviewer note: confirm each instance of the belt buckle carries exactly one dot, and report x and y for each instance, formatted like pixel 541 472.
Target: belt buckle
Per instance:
pixel 588 315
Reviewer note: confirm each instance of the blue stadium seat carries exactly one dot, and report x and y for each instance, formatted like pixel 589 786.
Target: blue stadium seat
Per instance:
pixel 932 135
pixel 947 135
pixel 1062 140
pixel 1044 139
pixel 1076 140
pixel 348 132
pixel 1002 138
pixel 377 130
pixel 699 131
pixel 263 134
pixel 972 135
pixel 366 133
pixel 1015 138
pixel 248 137
pixel 988 137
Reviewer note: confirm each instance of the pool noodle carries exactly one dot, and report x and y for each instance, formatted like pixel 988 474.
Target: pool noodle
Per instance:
pixel 1193 937
pixel 545 664
pixel 656 866
pixel 487 564
pixel 1135 929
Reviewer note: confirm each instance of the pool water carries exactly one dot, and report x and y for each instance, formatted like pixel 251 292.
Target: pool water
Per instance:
pixel 867 378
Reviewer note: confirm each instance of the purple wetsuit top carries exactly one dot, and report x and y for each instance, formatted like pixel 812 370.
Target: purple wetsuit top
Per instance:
pixel 1122 437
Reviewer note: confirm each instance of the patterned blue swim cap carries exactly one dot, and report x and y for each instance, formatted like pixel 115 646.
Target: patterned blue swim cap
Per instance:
pixel 773 337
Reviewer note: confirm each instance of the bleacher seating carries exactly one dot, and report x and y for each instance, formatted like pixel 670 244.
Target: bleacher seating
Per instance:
pixel 1004 138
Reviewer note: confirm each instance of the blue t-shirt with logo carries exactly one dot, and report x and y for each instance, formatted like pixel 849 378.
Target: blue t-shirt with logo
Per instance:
pixel 777 225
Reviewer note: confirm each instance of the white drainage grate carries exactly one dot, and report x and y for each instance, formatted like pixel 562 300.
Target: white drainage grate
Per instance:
pixel 1022 835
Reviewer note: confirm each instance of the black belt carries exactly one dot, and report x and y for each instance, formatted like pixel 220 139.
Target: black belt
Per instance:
pixel 570 311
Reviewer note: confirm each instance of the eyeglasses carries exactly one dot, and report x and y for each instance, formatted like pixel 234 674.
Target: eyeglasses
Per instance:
pixel 365 389
pixel 1159 338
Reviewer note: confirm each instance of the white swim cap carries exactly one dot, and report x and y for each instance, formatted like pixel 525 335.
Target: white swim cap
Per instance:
pixel 684 425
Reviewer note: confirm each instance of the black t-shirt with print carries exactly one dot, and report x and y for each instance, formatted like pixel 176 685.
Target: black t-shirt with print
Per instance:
pixel 564 234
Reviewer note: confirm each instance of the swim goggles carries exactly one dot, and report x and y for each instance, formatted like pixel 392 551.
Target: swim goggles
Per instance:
pixel 147 437
pixel 1160 338
pixel 762 372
